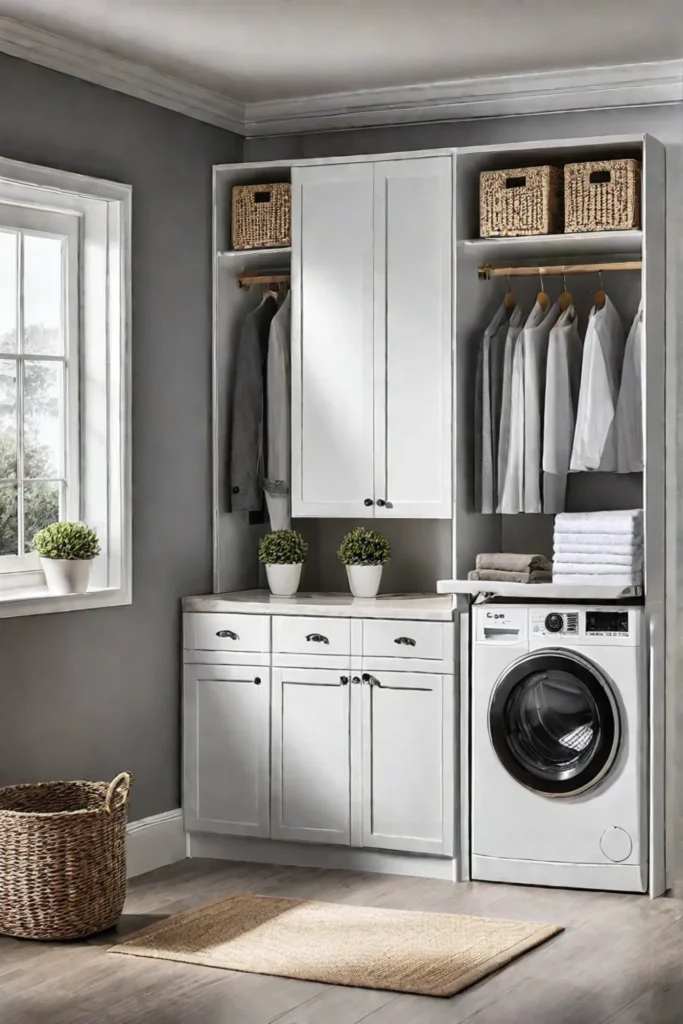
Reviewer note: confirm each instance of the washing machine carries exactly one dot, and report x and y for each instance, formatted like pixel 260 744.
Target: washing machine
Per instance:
pixel 559 736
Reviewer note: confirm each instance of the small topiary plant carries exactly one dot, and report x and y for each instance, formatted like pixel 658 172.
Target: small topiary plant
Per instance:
pixel 364 547
pixel 72 541
pixel 282 547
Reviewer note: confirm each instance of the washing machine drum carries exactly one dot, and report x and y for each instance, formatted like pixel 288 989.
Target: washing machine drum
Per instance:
pixel 554 723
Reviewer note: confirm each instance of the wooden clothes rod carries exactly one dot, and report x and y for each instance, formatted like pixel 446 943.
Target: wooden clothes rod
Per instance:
pixel 486 272
pixel 246 280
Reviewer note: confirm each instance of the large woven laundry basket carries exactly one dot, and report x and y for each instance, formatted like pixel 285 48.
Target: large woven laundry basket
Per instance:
pixel 62 858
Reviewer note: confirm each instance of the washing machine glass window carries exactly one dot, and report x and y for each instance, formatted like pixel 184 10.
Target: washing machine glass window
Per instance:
pixel 554 723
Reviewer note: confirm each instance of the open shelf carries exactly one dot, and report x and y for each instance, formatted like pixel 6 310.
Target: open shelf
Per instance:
pixel 255 259
pixel 591 243
pixel 534 591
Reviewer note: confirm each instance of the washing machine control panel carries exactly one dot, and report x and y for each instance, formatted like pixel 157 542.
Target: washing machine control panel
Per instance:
pixel 554 623
pixel 574 623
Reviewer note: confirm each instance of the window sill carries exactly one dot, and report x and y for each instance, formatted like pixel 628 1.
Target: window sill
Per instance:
pixel 39 601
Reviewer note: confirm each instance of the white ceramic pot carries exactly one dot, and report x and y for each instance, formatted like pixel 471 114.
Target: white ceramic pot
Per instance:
pixel 364 580
pixel 66 575
pixel 283 580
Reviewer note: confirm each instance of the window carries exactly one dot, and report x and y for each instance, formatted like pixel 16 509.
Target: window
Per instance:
pixel 64 378
pixel 39 387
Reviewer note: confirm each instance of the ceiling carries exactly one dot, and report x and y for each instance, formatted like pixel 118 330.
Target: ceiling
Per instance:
pixel 253 50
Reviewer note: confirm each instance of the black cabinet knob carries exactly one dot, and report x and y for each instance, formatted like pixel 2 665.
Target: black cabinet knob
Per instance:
pixel 355 679
pixel 368 502
pixel 366 677
pixel 344 680
pixel 257 680
pixel 381 502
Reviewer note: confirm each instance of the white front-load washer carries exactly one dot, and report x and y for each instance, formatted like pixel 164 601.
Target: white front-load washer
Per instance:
pixel 559 746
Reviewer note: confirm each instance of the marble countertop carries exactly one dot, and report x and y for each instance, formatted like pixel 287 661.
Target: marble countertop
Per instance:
pixel 342 606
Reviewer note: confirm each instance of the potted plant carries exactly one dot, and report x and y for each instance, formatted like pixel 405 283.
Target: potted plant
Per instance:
pixel 66 552
pixel 364 553
pixel 283 553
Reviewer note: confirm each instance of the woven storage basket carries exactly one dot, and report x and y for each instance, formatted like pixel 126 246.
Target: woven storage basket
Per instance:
pixel 62 858
pixel 261 216
pixel 602 195
pixel 524 201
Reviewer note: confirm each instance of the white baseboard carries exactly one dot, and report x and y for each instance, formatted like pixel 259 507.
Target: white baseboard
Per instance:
pixel 155 842
pixel 305 855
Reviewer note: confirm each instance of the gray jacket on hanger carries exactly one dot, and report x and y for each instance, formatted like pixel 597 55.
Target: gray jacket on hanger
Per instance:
pixel 247 440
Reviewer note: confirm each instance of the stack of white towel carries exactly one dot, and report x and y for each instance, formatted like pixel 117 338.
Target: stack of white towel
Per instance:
pixel 599 547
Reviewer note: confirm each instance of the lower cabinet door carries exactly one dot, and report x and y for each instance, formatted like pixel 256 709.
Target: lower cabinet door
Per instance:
pixel 310 756
pixel 407 771
pixel 226 758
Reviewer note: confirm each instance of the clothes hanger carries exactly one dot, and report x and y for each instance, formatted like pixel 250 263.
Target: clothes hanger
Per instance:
pixel 565 300
pixel 509 300
pixel 600 295
pixel 542 298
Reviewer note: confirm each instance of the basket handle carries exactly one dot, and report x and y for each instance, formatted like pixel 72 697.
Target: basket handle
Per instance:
pixel 121 785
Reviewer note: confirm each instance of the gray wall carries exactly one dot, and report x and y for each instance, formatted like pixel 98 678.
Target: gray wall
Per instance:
pixel 88 694
pixel 665 123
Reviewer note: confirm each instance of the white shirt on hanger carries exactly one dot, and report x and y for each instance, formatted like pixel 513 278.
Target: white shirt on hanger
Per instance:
pixel 487 410
pixel 535 341
pixel 278 391
pixel 630 402
pixel 562 382
pixel 603 357
pixel 515 325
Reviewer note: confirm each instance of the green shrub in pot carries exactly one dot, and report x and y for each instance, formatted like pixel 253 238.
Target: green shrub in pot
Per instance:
pixel 66 552
pixel 364 553
pixel 283 553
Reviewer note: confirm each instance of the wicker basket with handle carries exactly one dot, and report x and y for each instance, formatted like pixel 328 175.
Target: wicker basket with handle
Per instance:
pixel 602 195
pixel 524 201
pixel 261 216
pixel 62 858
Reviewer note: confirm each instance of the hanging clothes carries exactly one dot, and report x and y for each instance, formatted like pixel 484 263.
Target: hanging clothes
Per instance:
pixel 248 428
pixel 278 414
pixel 522 485
pixel 603 357
pixel 562 382
pixel 515 325
pixel 487 405
pixel 630 402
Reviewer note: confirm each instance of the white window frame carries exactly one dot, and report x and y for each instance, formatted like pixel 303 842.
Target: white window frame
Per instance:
pixel 103 212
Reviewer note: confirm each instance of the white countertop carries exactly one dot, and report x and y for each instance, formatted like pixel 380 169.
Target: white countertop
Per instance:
pixel 537 591
pixel 385 606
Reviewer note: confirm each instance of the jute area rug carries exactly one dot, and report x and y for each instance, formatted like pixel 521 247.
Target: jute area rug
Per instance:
pixel 398 950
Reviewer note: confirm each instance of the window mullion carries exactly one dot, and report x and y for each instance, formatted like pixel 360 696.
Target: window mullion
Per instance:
pixel 20 395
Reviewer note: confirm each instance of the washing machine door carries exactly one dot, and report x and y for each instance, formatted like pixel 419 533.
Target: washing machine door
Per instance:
pixel 554 722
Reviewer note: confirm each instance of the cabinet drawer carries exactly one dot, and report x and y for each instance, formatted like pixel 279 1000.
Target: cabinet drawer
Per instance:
pixel 226 632
pixel 297 635
pixel 384 638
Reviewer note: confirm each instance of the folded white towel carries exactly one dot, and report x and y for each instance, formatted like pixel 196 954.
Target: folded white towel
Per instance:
pixel 602 560
pixel 627 521
pixel 596 545
pixel 592 568
pixel 634 579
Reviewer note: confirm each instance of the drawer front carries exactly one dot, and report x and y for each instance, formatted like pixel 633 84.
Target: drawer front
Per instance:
pixel 385 638
pixel 209 631
pixel 293 634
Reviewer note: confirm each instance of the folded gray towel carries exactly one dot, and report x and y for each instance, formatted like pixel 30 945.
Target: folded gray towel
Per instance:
pixel 506 562
pixel 501 576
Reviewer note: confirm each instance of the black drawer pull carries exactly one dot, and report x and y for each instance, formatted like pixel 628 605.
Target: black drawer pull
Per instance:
pixel 344 680
pixel 257 680
pixel 407 641
pixel 227 634
pixel 355 679
pixel 317 638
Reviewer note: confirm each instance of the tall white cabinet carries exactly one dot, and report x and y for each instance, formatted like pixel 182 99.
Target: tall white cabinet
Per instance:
pixel 371 339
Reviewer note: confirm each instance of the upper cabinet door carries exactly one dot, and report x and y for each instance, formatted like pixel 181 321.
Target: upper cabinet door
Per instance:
pixel 332 340
pixel 413 316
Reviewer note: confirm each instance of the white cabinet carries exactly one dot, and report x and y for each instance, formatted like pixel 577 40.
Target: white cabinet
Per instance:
pixel 407 775
pixel 413 270
pixel 310 767
pixel 332 339
pixel 226 757
pixel 371 339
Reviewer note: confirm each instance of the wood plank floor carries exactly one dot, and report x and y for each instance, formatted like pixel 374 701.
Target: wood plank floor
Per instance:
pixel 619 961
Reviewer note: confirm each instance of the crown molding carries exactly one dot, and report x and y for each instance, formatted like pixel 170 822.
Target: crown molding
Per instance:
pixel 542 92
pixel 504 96
pixel 102 68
